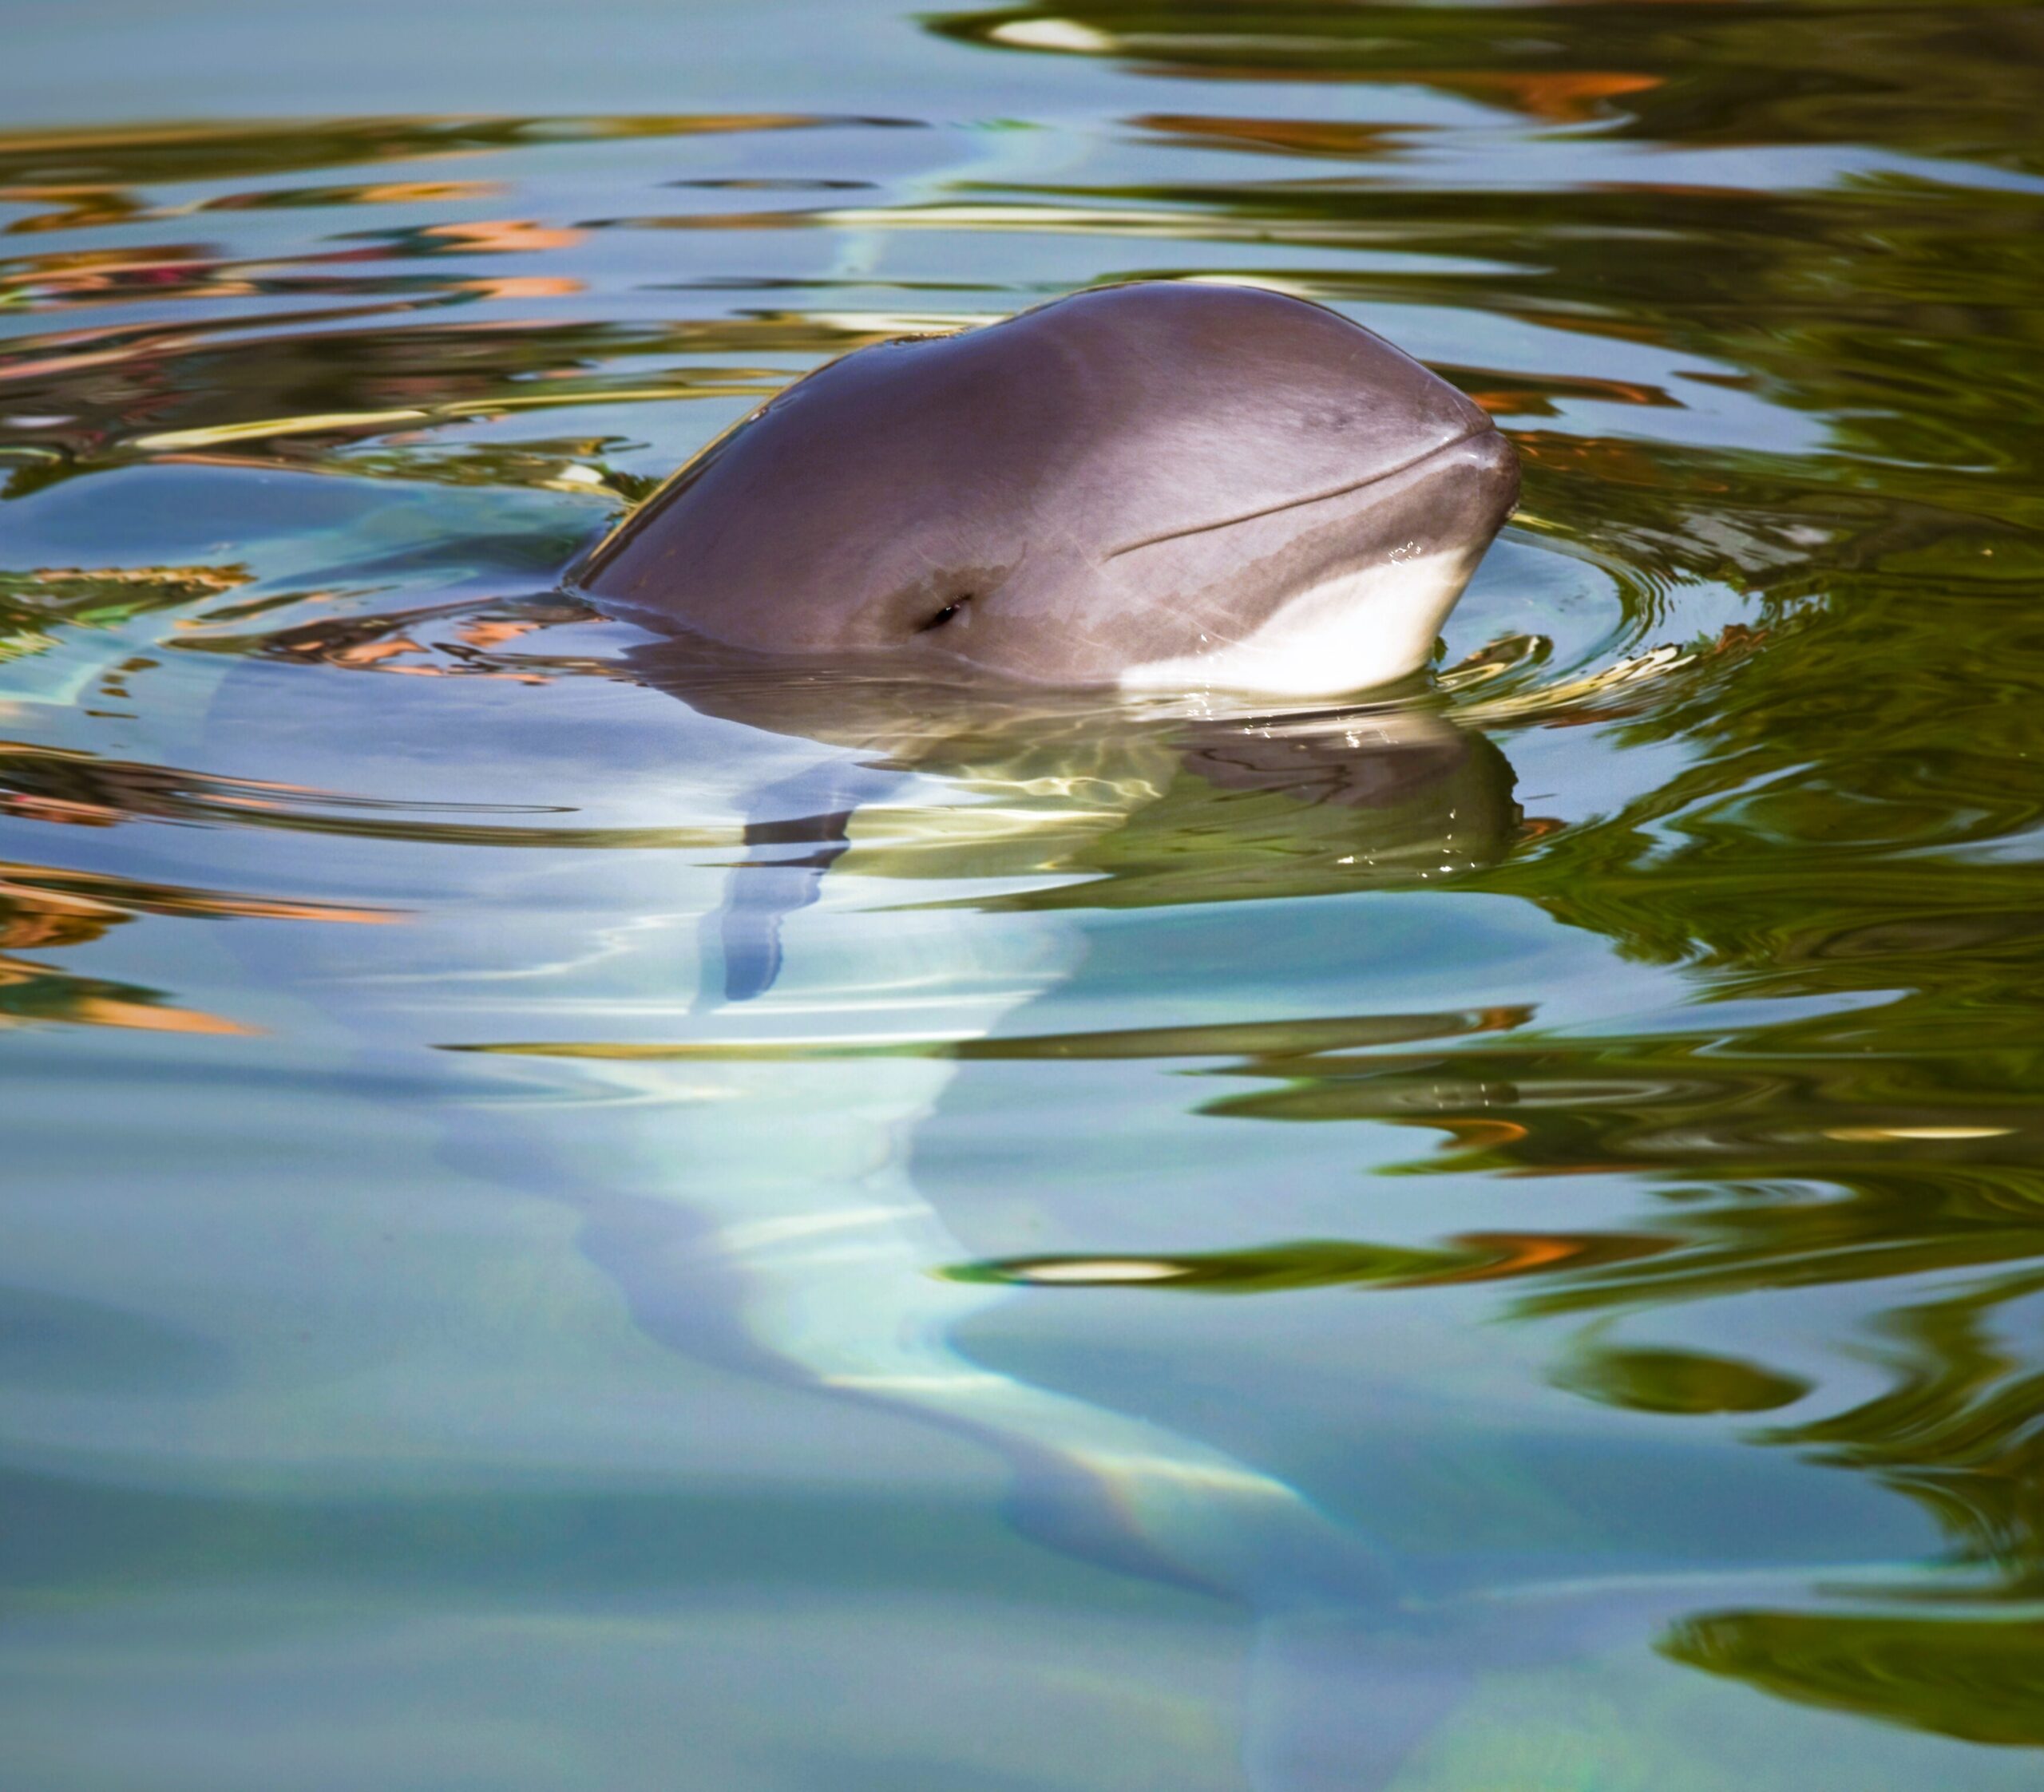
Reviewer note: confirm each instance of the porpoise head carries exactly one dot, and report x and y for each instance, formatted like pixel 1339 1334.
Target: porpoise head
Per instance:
pixel 1163 485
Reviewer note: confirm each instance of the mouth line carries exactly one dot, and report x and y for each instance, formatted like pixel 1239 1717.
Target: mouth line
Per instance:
pixel 1418 460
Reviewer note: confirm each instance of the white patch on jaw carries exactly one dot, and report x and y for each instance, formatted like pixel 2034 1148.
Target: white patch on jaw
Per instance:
pixel 1361 629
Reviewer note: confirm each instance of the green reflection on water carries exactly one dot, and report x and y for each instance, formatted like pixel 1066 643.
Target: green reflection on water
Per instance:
pixel 1978 1680
pixel 1678 1381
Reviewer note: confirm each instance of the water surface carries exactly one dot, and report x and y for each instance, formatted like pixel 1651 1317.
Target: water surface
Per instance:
pixel 1492 1238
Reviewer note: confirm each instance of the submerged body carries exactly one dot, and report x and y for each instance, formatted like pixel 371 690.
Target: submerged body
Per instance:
pixel 1163 485
pixel 783 1003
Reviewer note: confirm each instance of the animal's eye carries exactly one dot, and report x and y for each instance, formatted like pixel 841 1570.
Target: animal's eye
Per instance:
pixel 949 613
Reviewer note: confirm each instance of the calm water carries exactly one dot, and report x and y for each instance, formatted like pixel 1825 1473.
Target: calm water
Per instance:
pixel 1490 1241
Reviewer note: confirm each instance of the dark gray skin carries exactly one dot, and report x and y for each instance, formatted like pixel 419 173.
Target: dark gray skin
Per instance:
pixel 1096 491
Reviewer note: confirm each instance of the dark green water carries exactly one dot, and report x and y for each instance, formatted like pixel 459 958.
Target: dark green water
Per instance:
pixel 1492 1244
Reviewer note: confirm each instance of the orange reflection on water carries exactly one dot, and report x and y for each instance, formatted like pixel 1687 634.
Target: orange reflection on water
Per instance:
pixel 383 192
pixel 48 908
pixel 1504 1255
pixel 26 890
pixel 1506 395
pixel 1305 1265
pixel 1299 136
pixel 78 207
pixel 1557 98
pixel 524 286
pixel 30 992
pixel 64 812
pixel 504 236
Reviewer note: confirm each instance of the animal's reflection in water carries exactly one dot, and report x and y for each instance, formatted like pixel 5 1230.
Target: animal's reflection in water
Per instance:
pixel 800 1228
pixel 1324 800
